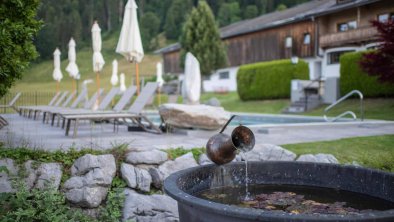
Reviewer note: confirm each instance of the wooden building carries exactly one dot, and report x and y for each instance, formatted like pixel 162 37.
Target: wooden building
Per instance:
pixel 318 31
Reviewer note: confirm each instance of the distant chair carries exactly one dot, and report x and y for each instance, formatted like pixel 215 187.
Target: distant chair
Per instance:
pixel 12 102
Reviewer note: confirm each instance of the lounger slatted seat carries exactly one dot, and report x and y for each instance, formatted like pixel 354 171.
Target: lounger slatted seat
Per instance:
pixel 133 114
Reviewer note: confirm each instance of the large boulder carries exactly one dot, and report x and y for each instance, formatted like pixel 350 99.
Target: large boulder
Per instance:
pixel 135 177
pixel 272 152
pixel 48 175
pixel 193 116
pixel 164 170
pixel 7 170
pixel 318 158
pixel 155 157
pixel 149 208
pixel 91 178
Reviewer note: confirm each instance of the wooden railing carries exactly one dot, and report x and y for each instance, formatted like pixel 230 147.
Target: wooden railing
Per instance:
pixel 362 34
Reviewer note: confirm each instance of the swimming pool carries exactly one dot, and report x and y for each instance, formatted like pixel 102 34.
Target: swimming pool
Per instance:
pixel 263 119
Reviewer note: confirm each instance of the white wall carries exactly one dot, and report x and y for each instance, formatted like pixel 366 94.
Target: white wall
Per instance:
pixel 215 84
pixel 333 70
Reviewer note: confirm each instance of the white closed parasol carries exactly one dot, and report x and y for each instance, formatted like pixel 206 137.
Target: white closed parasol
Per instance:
pixel 114 77
pixel 72 67
pixel 130 44
pixel 122 82
pixel 159 78
pixel 57 73
pixel 191 87
pixel 98 60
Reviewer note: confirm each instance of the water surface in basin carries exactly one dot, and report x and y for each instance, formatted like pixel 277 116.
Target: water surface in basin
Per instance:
pixel 297 199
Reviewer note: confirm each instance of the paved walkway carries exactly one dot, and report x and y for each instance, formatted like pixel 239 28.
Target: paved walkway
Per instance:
pixel 23 132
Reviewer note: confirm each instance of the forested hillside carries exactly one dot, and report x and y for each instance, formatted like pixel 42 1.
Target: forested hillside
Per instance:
pixel 160 20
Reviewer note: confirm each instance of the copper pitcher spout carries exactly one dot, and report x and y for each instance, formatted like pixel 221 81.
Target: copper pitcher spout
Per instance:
pixel 221 148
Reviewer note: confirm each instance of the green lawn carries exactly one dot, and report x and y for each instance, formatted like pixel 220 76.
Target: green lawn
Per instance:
pixel 375 108
pixel 231 102
pixel 374 151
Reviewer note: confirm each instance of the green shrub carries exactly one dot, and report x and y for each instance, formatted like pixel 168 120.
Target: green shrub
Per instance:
pixel 37 205
pixel 177 152
pixel 269 80
pixel 352 77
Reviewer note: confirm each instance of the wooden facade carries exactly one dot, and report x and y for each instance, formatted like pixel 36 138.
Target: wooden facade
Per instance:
pixel 269 44
pixel 171 62
pixel 329 36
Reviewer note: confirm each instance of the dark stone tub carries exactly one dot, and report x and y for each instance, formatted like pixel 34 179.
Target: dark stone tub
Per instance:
pixel 182 185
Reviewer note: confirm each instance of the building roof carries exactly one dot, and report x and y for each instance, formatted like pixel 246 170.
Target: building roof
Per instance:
pixel 298 13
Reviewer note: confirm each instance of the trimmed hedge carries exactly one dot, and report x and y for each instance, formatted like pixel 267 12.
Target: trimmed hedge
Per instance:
pixel 352 77
pixel 269 80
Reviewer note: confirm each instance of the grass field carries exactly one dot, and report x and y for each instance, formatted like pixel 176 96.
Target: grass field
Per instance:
pixel 375 151
pixel 39 76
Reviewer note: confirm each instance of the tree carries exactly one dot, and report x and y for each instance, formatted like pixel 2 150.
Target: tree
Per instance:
pixel 228 13
pixel 201 37
pixel 18 27
pixel 380 63
pixel 281 7
pixel 176 16
pixel 251 11
pixel 150 25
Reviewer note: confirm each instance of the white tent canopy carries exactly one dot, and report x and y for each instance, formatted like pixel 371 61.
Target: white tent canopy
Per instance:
pixel 72 67
pixel 57 73
pixel 114 77
pixel 129 44
pixel 191 87
pixel 98 60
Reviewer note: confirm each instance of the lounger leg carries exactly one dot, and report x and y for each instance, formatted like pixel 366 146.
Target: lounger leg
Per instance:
pixel 75 128
pixel 68 126
pixel 53 119
pixel 43 117
pixel 64 121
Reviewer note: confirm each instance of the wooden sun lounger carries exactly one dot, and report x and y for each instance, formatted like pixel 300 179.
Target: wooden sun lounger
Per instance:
pixel 133 114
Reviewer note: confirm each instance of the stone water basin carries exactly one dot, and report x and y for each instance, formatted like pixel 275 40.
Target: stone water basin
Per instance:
pixel 326 181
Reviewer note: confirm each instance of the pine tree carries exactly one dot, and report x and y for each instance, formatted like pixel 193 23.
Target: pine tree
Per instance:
pixel 18 28
pixel 229 13
pixel 150 25
pixel 201 37
pixel 176 16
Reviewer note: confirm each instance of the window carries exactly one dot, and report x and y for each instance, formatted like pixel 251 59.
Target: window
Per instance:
pixel 224 75
pixel 343 27
pixel 385 17
pixel 333 57
pixel 288 42
pixel 307 39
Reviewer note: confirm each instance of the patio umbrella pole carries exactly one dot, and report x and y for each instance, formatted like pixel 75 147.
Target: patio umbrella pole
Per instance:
pixel 57 86
pixel 137 78
pixel 159 89
pixel 74 86
pixel 98 87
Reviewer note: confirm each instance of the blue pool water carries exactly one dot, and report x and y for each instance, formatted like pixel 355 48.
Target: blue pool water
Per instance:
pixel 262 119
